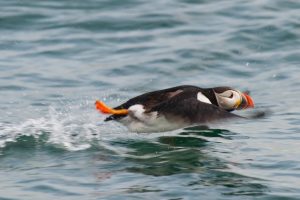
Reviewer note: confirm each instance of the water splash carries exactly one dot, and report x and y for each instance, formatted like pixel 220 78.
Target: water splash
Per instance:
pixel 75 127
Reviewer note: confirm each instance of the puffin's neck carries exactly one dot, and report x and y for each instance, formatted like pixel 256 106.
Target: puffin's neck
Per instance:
pixel 210 94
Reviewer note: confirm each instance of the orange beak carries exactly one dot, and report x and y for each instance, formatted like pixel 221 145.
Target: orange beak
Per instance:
pixel 247 102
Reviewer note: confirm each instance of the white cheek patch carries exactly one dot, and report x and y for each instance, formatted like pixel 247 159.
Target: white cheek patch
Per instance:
pixel 227 102
pixel 203 98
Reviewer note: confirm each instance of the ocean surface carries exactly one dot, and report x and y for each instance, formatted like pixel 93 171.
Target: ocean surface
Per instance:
pixel 57 57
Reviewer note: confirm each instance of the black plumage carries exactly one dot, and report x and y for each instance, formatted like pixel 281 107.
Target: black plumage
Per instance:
pixel 180 103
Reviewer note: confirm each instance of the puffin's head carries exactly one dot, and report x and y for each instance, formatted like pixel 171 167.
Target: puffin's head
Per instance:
pixel 232 99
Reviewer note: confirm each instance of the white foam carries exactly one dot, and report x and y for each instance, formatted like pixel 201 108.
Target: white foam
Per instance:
pixel 74 127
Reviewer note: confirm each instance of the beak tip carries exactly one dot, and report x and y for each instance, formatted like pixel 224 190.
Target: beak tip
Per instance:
pixel 250 102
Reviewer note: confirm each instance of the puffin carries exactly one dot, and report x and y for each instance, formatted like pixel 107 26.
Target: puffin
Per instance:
pixel 177 107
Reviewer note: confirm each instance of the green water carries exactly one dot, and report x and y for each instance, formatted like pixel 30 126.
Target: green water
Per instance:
pixel 58 57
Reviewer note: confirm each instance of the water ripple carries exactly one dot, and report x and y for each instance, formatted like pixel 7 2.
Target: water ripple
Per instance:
pixel 58 57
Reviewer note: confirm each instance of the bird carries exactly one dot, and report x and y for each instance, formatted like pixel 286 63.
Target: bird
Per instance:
pixel 177 107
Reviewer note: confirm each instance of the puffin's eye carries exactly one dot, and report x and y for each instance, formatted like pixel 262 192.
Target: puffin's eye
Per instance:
pixel 227 94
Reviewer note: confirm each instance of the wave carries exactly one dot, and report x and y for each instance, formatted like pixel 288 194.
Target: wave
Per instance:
pixel 71 129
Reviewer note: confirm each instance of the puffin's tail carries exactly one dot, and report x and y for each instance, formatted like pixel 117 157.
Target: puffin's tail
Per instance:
pixel 107 110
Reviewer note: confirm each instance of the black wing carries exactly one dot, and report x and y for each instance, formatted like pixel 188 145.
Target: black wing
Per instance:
pixel 152 99
pixel 187 107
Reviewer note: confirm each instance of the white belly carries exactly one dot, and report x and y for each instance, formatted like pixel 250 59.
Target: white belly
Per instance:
pixel 139 121
pixel 160 124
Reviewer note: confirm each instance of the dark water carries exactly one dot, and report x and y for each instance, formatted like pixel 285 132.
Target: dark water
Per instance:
pixel 58 57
